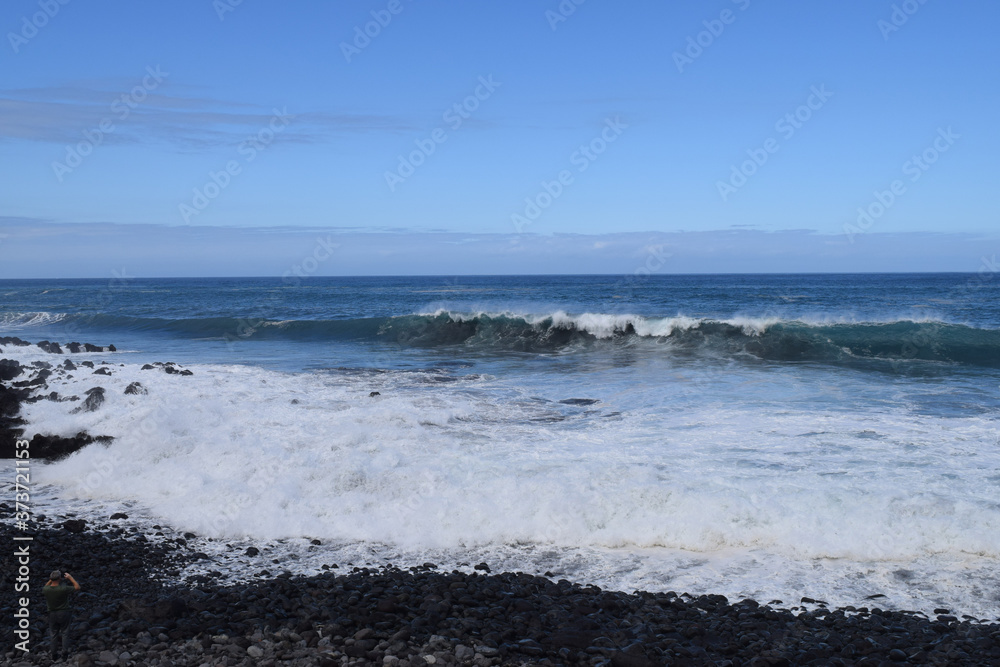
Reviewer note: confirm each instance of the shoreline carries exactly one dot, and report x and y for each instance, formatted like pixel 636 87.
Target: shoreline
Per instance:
pixel 132 603
pixel 136 599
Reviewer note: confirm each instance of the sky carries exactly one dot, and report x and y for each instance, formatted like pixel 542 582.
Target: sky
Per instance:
pixel 396 137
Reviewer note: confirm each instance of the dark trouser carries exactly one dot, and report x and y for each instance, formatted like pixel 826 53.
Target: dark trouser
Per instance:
pixel 59 622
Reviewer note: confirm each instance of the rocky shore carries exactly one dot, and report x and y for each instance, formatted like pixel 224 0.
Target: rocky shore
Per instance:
pixel 140 605
pixel 134 609
pixel 29 383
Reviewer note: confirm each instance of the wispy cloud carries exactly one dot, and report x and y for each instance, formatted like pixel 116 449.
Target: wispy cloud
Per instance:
pixel 59 114
pixel 94 249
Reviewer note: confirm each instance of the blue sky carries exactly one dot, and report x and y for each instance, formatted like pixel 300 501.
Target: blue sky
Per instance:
pixel 467 129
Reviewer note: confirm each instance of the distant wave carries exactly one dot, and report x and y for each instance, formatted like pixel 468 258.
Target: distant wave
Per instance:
pixel 766 338
pixel 31 319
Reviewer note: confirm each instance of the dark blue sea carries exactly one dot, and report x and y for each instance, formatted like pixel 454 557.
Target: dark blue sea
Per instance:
pixel 771 436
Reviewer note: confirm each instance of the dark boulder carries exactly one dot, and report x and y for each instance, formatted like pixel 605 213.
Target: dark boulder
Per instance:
pixel 102 371
pixel 13 340
pixel 9 369
pixel 94 400
pixel 55 447
pixel 38 380
pixel 75 525
pixel 135 389
pixel 51 396
pixel 51 348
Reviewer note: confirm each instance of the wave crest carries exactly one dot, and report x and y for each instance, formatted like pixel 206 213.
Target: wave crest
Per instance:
pixel 767 338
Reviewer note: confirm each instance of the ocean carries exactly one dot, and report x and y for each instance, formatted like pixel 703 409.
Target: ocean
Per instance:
pixel 765 436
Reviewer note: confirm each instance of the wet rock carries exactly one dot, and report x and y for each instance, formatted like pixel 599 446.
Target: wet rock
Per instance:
pixel 55 447
pixel 135 389
pixel 51 348
pixel 102 371
pixel 75 525
pixel 37 380
pixel 94 400
pixel 13 340
pixel 9 369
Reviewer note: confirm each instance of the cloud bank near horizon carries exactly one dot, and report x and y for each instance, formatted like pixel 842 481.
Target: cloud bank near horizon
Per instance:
pixel 34 249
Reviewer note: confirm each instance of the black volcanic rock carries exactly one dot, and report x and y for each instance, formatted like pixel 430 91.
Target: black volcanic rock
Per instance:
pixel 9 369
pixel 75 525
pixel 135 389
pixel 13 340
pixel 10 423
pixel 55 447
pixel 385 616
pixel 94 400
pixel 51 348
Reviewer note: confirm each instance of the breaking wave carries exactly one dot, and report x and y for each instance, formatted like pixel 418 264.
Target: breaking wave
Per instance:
pixel 771 339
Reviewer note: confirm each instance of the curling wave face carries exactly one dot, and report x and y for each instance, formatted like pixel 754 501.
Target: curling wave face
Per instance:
pixel 766 338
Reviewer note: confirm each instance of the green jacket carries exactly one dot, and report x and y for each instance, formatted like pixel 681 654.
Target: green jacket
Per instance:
pixel 57 597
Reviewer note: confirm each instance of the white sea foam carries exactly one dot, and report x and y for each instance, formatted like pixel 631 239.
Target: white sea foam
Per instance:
pixel 607 325
pixel 14 321
pixel 683 491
